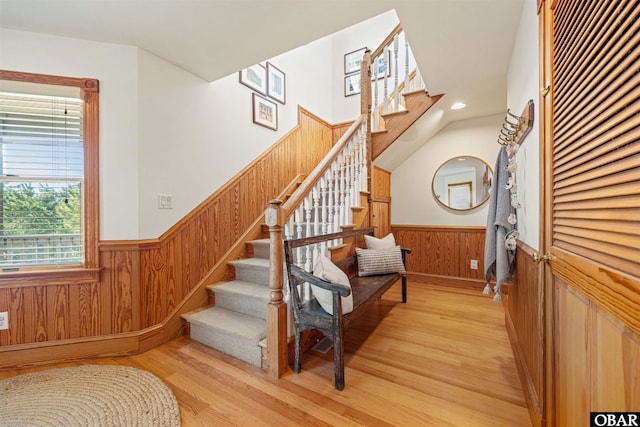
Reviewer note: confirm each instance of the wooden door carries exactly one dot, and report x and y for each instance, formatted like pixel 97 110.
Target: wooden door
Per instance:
pixel 591 134
pixel 380 201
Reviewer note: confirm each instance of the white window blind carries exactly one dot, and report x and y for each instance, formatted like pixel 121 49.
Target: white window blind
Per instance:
pixel 41 180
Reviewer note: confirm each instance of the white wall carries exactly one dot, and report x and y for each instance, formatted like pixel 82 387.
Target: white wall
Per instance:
pixel 523 84
pixel 195 135
pixel 164 130
pixel 115 66
pixel 412 200
pixel 370 34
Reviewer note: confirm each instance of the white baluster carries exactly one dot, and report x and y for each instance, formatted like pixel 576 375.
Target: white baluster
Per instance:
pixel 289 230
pixel 406 63
pixel 385 99
pixel 347 191
pixel 355 199
pixel 315 193
pixel 306 255
pixel 330 202
pixel 297 214
pixel 336 196
pixel 342 190
pixel 324 208
pixel 307 216
pixel 396 93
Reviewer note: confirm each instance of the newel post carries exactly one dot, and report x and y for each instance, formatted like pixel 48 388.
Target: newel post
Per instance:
pixel 365 108
pixel 277 308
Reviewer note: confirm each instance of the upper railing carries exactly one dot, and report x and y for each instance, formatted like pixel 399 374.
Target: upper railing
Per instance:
pixel 393 72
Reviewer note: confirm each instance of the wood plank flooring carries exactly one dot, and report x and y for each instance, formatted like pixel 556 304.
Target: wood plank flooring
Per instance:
pixel 442 359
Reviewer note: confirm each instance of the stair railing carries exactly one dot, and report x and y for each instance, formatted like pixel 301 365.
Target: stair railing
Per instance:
pixel 390 61
pixel 320 205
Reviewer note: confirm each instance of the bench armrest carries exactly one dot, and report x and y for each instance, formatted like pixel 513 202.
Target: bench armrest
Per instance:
pixel 405 252
pixel 314 280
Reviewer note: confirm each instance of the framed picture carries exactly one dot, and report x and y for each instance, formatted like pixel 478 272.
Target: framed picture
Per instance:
pixel 352 84
pixel 265 112
pixel 276 86
pixel 255 77
pixel 380 66
pixel 352 61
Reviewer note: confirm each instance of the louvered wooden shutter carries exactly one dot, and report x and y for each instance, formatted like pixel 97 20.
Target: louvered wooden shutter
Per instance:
pixel 596 131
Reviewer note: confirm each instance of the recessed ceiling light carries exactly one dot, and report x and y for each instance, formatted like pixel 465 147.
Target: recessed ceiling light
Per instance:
pixel 458 106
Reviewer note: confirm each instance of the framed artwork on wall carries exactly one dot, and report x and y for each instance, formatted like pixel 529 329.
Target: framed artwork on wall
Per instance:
pixel 265 112
pixel 255 77
pixel 380 65
pixel 352 84
pixel 352 61
pixel 276 83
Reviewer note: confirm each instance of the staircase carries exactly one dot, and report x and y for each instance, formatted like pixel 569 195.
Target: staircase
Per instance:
pixel 334 197
pixel 236 324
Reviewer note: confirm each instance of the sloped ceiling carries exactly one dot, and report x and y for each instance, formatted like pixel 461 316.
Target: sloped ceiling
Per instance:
pixel 462 47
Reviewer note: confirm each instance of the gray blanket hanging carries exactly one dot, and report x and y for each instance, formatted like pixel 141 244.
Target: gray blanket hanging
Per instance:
pixel 499 260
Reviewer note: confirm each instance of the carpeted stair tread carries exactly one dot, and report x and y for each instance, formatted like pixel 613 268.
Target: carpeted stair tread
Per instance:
pixel 230 321
pixel 230 332
pixel 254 270
pixel 261 248
pixel 244 297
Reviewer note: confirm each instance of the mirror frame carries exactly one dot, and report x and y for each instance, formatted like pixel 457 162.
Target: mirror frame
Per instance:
pixel 441 203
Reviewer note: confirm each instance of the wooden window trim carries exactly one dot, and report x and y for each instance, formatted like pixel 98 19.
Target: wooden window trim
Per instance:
pixel 89 93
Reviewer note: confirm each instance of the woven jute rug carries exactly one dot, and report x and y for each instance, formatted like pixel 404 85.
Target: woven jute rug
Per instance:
pixel 89 395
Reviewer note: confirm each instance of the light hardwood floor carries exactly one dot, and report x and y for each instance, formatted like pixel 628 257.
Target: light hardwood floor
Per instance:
pixel 443 359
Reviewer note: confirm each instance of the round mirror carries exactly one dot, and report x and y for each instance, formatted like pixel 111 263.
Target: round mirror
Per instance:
pixel 462 183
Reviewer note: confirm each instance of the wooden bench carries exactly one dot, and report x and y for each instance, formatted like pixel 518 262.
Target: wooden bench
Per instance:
pixel 309 315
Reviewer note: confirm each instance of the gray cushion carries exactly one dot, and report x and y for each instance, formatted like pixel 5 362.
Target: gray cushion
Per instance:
pixel 383 261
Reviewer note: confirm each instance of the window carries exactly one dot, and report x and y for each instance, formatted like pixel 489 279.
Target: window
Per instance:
pixel 48 172
pixel 41 180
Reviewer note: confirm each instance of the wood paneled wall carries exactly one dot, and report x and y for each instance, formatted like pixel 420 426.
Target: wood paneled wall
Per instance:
pixel 443 253
pixel 598 368
pixel 142 283
pixel 524 319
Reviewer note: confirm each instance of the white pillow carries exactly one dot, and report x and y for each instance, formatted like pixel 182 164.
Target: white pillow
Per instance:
pixel 326 270
pixel 387 242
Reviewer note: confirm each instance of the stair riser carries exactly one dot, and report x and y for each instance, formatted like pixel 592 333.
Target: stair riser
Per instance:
pixel 252 274
pixel 256 307
pixel 261 250
pixel 235 346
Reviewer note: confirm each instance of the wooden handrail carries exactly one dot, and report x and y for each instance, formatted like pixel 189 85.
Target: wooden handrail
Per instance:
pixel 397 30
pixel 311 180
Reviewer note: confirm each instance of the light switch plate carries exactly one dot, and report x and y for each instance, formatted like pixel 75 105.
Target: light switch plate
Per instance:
pixel 4 320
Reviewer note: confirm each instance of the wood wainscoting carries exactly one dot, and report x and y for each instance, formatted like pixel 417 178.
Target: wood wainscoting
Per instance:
pixel 443 253
pixel 135 300
pixel 524 320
